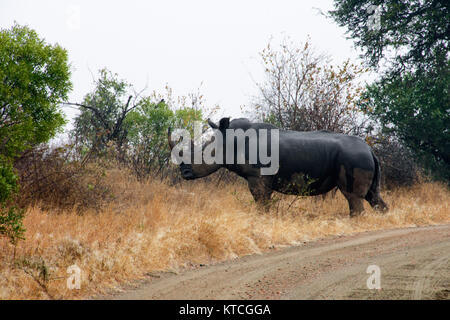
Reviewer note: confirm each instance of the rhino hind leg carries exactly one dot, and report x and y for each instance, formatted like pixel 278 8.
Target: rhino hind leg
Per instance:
pixel 375 200
pixel 355 203
pixel 355 186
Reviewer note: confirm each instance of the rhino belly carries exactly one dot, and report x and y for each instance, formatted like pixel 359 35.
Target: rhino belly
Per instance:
pixel 304 184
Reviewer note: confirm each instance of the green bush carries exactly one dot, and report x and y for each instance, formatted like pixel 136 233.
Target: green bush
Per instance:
pixel 34 79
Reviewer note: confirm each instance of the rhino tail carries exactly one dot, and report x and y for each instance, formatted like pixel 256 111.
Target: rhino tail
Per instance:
pixel 373 195
pixel 375 187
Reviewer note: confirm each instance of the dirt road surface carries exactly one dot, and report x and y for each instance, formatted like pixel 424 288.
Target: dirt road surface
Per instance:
pixel 414 264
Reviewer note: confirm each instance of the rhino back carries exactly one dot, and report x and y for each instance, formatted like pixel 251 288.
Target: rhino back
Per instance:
pixel 320 153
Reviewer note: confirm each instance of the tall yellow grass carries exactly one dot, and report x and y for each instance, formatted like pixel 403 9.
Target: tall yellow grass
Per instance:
pixel 152 226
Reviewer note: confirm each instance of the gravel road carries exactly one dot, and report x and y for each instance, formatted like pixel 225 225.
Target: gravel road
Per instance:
pixel 414 263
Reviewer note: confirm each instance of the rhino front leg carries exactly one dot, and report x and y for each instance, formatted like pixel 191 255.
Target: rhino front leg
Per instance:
pixel 260 190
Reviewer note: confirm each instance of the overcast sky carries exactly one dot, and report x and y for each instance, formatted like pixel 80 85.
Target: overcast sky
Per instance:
pixel 181 43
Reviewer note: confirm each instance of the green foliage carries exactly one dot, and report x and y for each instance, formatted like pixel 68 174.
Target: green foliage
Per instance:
pixel 417 30
pixel 416 108
pixel 147 133
pixel 10 216
pixel 186 117
pixel 8 180
pixel 137 126
pixel 11 223
pixel 147 136
pixel 34 79
pixel 411 99
pixel 103 112
pixel 149 120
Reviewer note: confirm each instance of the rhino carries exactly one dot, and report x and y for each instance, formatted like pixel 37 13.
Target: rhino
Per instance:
pixel 310 163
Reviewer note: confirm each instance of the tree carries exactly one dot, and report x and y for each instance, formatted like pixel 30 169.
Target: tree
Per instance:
pixel 103 113
pixel 302 91
pixel 135 124
pixel 411 98
pixel 417 30
pixel 147 136
pixel 415 107
pixel 34 78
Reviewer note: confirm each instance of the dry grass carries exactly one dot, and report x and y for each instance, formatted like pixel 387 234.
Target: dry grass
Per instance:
pixel 152 226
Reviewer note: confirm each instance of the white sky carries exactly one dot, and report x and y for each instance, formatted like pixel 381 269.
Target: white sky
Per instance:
pixel 181 43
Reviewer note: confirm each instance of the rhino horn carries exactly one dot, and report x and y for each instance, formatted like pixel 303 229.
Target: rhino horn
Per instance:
pixel 169 134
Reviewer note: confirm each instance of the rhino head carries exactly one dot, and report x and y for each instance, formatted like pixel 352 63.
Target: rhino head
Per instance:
pixel 190 171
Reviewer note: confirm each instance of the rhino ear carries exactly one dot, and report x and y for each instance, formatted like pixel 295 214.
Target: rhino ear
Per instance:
pixel 224 123
pixel 212 124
